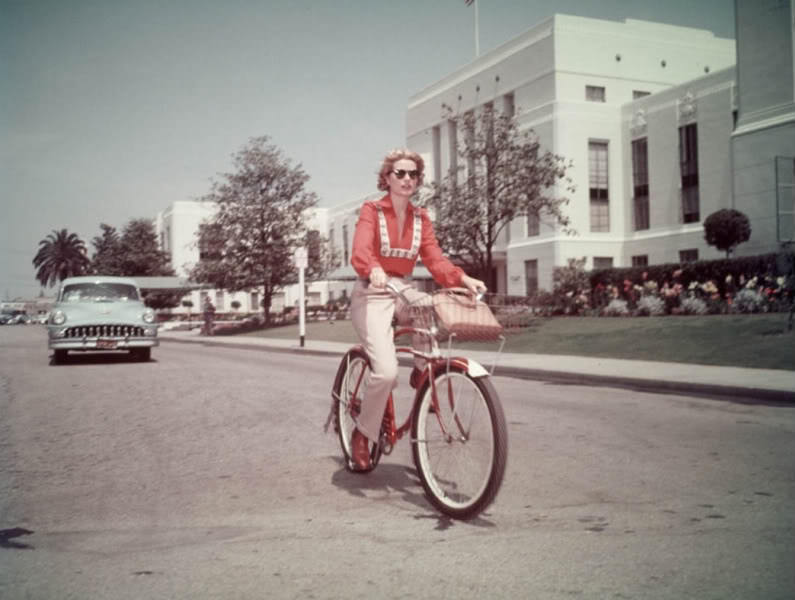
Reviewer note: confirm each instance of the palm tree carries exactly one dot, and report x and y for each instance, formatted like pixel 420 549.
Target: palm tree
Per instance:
pixel 61 254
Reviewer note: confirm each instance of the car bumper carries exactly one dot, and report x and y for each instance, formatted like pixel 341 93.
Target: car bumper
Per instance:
pixel 58 341
pixel 102 344
pixel 93 344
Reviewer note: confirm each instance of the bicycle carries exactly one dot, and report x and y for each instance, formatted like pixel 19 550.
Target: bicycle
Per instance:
pixel 458 432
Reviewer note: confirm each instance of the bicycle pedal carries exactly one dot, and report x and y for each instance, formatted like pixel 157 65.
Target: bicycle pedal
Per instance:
pixel 386 448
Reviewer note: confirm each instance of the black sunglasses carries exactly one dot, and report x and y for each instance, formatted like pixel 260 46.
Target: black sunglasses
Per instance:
pixel 401 173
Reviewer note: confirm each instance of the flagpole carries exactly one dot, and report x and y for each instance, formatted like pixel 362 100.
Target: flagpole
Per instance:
pixel 477 31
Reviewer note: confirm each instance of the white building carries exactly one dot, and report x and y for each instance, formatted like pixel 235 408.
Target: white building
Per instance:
pixel 178 228
pixel 664 125
pixel 578 83
pixel 763 142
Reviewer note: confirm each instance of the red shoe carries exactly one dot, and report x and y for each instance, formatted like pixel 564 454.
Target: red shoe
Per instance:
pixel 360 450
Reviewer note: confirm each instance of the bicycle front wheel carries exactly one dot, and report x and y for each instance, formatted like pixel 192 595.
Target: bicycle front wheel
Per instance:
pixel 460 443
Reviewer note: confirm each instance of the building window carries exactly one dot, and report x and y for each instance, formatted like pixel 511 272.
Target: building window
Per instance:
pixel 597 177
pixel 452 145
pixel 219 300
pixel 533 223
pixel 508 107
pixel 640 183
pixel 639 94
pixel 436 149
pixel 210 243
pixel 641 260
pixel 690 255
pixel 254 301
pixel 602 262
pixel 594 93
pixel 345 249
pixel 785 198
pixel 688 168
pixel 530 277
pixel 469 141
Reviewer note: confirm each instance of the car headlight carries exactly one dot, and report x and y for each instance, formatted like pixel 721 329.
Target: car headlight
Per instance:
pixel 148 316
pixel 58 317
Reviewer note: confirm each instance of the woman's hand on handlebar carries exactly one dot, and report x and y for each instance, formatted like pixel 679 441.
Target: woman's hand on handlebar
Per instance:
pixel 476 286
pixel 377 277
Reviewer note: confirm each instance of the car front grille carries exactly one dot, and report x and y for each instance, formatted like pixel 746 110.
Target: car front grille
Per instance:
pixel 110 331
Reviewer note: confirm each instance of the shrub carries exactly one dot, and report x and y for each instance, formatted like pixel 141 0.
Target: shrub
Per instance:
pixel 616 308
pixel 651 306
pixel 570 287
pixel 748 300
pixel 248 324
pixel 726 228
pixel 691 305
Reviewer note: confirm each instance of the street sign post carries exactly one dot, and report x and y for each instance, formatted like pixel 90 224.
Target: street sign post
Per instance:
pixel 301 258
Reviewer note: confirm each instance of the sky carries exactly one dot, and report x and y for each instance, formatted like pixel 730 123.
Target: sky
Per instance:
pixel 113 109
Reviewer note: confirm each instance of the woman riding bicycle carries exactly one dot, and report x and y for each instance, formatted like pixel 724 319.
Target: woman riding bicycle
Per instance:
pixel 390 235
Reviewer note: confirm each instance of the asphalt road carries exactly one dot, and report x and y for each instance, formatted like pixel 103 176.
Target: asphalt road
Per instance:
pixel 206 474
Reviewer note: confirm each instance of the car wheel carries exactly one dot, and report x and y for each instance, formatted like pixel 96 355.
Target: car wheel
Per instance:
pixel 142 354
pixel 59 357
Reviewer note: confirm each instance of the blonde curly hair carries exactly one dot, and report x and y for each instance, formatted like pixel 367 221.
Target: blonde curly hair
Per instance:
pixel 389 162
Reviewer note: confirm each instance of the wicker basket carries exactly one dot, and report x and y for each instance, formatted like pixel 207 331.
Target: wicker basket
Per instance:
pixel 454 312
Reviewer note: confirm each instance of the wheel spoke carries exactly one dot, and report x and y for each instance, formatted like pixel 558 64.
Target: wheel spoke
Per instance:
pixel 456 446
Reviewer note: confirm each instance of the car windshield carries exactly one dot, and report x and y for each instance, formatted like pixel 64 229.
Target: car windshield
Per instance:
pixel 95 292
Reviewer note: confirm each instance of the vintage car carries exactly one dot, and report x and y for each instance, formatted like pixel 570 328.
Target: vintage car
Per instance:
pixel 101 313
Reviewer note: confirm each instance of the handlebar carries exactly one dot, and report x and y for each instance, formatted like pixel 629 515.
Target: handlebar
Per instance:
pixel 393 289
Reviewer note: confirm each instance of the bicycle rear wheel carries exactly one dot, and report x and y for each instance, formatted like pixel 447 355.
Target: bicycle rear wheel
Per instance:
pixel 349 388
pixel 460 448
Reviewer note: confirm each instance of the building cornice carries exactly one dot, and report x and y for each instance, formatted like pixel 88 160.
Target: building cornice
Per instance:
pixel 541 31
pixel 776 120
pixel 697 228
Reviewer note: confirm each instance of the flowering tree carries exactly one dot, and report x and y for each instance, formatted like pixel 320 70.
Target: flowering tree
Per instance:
pixel 508 176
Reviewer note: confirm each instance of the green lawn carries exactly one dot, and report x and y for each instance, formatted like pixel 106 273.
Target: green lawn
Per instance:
pixel 757 341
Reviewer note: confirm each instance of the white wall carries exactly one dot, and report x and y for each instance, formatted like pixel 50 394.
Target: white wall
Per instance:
pixel 546 69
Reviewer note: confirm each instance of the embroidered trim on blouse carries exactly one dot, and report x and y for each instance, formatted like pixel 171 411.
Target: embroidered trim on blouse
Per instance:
pixel 387 250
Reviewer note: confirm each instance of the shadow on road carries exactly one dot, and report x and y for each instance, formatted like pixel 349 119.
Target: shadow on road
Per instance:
pixel 97 358
pixel 7 536
pixel 387 479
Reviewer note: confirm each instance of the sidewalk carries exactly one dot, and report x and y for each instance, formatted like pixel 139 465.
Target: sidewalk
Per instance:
pixel 727 382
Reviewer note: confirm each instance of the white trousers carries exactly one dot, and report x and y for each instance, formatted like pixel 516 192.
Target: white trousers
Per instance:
pixel 372 311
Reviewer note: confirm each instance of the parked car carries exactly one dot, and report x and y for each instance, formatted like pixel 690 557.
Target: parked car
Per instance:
pixel 101 313
pixel 5 318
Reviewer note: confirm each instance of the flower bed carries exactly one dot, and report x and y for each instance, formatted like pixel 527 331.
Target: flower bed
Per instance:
pixel 747 285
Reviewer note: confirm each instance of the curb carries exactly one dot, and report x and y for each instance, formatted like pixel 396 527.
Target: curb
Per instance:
pixel 749 395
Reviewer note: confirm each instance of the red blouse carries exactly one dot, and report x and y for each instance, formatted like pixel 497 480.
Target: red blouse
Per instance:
pixel 367 245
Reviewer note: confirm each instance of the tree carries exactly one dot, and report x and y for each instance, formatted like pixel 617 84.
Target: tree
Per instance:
pixel 189 305
pixel 108 252
pixel 61 254
pixel 726 229
pixel 321 259
pixel 135 253
pixel 142 256
pixel 250 241
pixel 507 176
